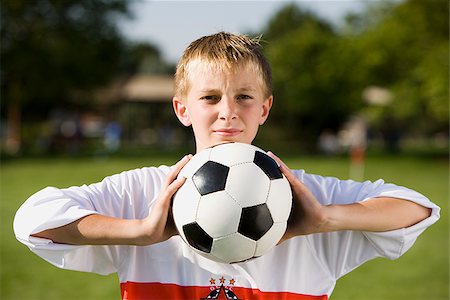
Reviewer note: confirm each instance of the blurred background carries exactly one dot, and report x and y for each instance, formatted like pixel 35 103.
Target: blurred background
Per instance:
pixel 95 77
pixel 361 91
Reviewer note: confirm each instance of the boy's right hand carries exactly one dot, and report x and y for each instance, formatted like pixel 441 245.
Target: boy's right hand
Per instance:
pixel 159 225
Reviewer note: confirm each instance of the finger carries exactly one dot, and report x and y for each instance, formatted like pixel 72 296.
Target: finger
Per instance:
pixel 171 189
pixel 177 168
pixel 283 167
pixel 295 183
pixel 174 186
pixel 180 164
pixel 277 159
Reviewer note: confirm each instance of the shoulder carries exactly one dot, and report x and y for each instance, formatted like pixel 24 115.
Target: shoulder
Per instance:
pixel 329 189
pixel 327 181
pixel 147 174
pixel 141 183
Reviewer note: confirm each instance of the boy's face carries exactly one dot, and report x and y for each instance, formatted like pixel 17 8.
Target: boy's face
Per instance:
pixel 223 106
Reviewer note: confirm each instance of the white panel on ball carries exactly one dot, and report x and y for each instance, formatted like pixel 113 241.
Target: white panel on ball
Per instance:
pixel 233 248
pixel 185 210
pixel 248 184
pixel 195 163
pixel 271 238
pixel 207 256
pixel 279 200
pixel 232 153
pixel 218 214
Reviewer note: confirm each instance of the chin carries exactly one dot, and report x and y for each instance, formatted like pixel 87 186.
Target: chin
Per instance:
pixel 224 141
pixel 232 140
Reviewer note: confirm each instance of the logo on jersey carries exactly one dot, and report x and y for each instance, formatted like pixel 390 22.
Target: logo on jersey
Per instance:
pixel 222 291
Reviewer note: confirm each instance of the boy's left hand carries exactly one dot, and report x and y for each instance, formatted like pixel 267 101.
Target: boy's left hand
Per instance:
pixel 377 215
pixel 308 215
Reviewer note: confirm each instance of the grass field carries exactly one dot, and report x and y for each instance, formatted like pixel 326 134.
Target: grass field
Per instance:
pixel 421 274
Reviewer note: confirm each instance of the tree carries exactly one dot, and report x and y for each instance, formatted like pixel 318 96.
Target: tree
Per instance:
pixel 407 52
pixel 145 58
pixel 320 72
pixel 52 48
pixel 312 74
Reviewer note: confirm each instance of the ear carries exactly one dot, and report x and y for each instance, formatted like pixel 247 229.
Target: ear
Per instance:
pixel 267 105
pixel 180 110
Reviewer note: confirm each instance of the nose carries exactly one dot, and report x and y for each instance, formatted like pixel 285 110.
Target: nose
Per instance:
pixel 228 109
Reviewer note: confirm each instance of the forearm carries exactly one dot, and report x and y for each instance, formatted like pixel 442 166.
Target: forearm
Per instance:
pixel 96 229
pixel 378 214
pixel 99 230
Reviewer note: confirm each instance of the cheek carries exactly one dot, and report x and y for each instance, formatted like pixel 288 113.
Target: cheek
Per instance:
pixel 201 118
pixel 256 116
pixel 252 124
pixel 201 115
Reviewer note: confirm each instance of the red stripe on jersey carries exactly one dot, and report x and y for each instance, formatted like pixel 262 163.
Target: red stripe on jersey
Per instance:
pixel 160 291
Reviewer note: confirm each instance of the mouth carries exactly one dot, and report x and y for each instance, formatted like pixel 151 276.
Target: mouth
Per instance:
pixel 228 132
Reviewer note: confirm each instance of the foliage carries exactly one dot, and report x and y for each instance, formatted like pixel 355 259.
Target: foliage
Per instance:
pixel 320 73
pixel 142 58
pixel 305 80
pixel 409 54
pixel 54 53
pixel 51 48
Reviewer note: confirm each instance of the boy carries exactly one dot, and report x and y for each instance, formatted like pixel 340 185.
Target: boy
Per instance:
pixel 123 224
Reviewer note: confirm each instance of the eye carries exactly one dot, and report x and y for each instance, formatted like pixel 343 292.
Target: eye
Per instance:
pixel 211 98
pixel 244 97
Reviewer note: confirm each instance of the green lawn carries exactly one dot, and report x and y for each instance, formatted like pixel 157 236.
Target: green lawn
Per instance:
pixel 422 273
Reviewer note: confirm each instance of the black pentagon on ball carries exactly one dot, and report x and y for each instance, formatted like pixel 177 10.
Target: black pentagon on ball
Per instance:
pixel 210 178
pixel 197 237
pixel 268 165
pixel 255 221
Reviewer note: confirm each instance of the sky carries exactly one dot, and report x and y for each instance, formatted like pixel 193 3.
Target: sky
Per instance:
pixel 172 25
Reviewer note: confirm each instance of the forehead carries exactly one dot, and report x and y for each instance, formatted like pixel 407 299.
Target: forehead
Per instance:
pixel 203 73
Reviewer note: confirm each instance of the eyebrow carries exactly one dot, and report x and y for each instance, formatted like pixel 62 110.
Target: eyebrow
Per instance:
pixel 210 91
pixel 246 89
pixel 239 90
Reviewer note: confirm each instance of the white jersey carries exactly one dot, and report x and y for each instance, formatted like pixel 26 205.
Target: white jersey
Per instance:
pixel 304 267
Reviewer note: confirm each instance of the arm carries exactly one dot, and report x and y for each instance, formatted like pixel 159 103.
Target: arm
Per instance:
pixel 380 214
pixel 103 230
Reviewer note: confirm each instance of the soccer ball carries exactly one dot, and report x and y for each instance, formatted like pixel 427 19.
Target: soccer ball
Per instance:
pixel 234 204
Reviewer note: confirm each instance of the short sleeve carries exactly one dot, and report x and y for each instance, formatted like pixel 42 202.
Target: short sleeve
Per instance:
pixel 342 251
pixel 127 195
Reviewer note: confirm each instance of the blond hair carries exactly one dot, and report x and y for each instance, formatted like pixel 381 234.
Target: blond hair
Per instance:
pixel 224 51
